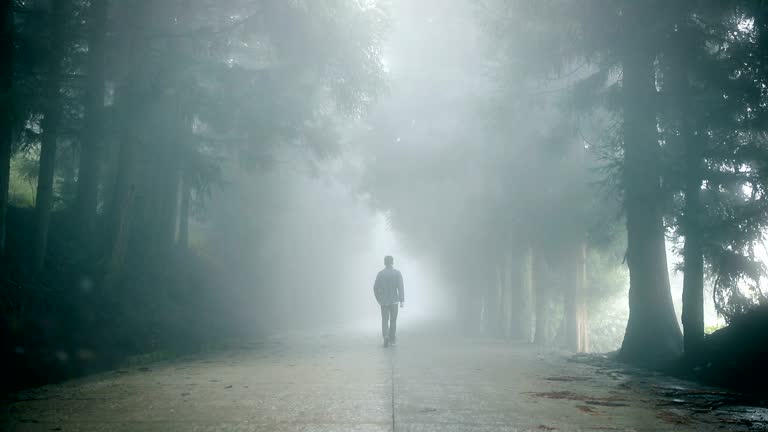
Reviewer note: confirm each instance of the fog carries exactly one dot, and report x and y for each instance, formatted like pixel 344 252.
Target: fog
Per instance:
pixel 183 176
pixel 318 249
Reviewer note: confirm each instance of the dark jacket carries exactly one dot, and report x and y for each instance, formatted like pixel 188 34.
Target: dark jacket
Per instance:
pixel 388 287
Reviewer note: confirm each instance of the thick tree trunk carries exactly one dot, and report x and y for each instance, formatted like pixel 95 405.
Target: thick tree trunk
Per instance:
pixel 691 145
pixel 50 125
pixel 693 256
pixel 130 114
pixel 653 336
pixel 167 143
pixel 5 177
pixel 90 153
pixel 6 123
pixel 119 233
pixel 122 204
pixel 44 195
pixel 158 188
pixel 693 279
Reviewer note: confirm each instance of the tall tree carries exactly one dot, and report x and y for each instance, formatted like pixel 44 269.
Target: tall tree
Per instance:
pixel 236 78
pixel 184 211
pixel 653 335
pixel 543 296
pixel 129 95
pixel 679 64
pixel 6 131
pixel 93 130
pixel 60 13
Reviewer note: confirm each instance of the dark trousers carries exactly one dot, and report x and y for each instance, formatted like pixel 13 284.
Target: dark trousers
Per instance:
pixel 389 321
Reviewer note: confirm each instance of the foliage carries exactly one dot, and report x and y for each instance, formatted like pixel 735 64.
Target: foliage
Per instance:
pixel 575 49
pixel 22 187
pixel 186 89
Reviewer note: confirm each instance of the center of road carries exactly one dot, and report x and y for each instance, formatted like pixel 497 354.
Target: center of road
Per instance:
pixel 392 381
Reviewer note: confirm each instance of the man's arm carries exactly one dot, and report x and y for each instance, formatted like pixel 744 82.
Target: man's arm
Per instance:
pixel 400 288
pixel 377 288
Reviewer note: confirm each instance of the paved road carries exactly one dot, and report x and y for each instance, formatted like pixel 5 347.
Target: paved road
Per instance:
pixel 334 383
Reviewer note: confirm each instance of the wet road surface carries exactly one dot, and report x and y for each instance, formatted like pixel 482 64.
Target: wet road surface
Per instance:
pixel 340 383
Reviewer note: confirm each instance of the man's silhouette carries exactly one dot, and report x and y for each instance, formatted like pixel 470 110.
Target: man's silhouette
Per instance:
pixel 388 289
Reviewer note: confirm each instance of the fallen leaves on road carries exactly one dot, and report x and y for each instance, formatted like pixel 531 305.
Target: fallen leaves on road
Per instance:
pixel 587 409
pixel 606 403
pixel 559 395
pixel 594 400
pixel 589 401
pixel 673 418
pixel 567 379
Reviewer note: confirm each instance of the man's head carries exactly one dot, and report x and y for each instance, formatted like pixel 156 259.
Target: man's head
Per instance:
pixel 389 261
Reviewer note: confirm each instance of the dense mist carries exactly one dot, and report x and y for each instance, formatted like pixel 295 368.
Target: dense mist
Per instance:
pixel 184 176
pixel 297 249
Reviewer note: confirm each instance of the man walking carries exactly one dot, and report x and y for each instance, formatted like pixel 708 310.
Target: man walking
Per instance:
pixel 388 290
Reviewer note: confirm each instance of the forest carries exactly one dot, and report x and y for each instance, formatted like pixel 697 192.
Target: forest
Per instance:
pixel 176 175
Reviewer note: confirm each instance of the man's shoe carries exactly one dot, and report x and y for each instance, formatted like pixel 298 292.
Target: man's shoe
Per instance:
pixel 392 342
pixel 386 343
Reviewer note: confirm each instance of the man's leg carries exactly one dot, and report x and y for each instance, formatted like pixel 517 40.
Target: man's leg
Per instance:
pixel 392 322
pixel 385 323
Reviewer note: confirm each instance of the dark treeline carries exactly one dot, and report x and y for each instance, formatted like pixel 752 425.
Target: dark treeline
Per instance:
pixel 541 153
pixel 121 114
pixel 679 91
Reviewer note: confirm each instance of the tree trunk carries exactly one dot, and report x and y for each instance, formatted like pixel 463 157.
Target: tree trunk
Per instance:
pixel 522 290
pixel 653 336
pixel 6 136
pixel 575 312
pixel 575 324
pixel 44 195
pixel 542 299
pixel 158 188
pixel 582 310
pixel 469 304
pixel 186 198
pixel 119 235
pixel 510 287
pixel 693 259
pixel 693 278
pixel 90 153
pixel 171 207
pixel 123 192
pixel 50 125
pixel 693 256
pixel 167 144
pixel 130 118
pixel 6 123
pixel 492 303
